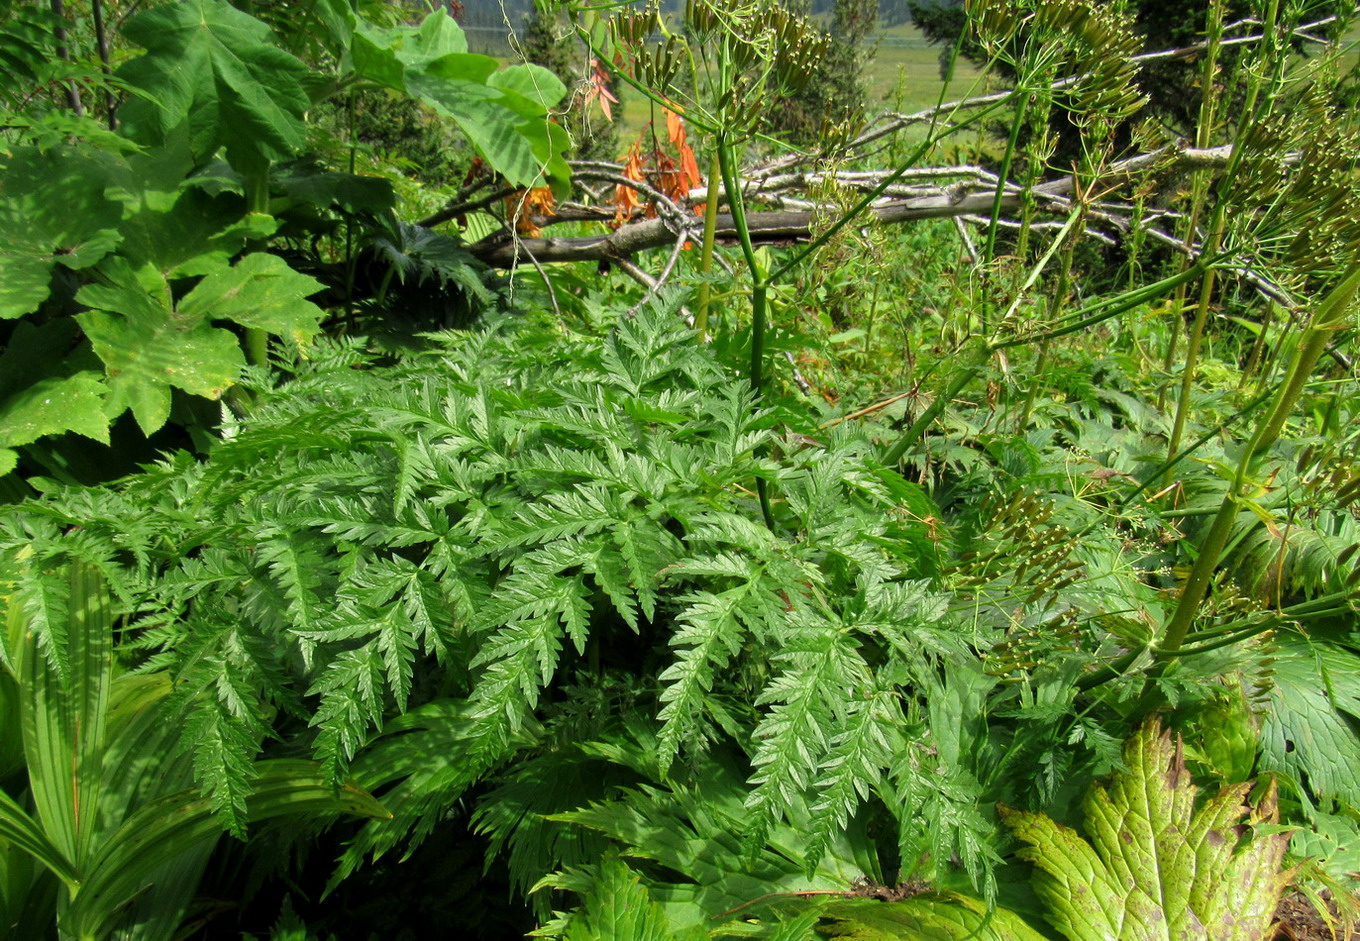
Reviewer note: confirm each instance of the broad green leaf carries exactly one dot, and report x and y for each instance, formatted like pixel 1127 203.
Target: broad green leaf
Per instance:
pixel 387 55
pixel 501 135
pixel 217 69
pixel 148 347
pixel 55 406
pixel 259 291
pixel 176 225
pixel 43 390
pixel 23 832
pixel 928 917
pixel 65 693
pixel 504 113
pixel 534 84
pixel 1309 732
pixel 457 67
pixel 52 209
pixel 350 192
pixel 1156 867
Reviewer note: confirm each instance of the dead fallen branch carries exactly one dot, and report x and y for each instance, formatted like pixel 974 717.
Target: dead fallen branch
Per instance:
pixel 968 196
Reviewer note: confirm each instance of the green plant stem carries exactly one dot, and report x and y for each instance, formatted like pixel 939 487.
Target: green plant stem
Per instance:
pixel 1192 345
pixel 1079 320
pixel 1017 123
pixel 257 200
pixel 1332 313
pixel 1217 226
pixel 1099 312
pixel 759 291
pixel 961 378
pixel 706 249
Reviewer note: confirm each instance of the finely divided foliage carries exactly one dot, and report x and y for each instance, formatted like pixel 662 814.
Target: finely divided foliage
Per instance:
pixel 477 526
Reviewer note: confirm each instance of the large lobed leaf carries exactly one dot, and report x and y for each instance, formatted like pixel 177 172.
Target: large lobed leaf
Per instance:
pixel 52 211
pixel 47 388
pixel 216 69
pixel 504 114
pixel 150 344
pixel 619 908
pixel 1309 732
pixel 1156 867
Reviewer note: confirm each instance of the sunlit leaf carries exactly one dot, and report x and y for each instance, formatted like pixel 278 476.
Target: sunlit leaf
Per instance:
pixel 148 347
pixel 52 210
pixel 1155 865
pixel 216 68
pixel 259 291
pixel 928 917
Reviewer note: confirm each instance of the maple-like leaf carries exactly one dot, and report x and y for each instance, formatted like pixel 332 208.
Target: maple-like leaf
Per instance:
pixel 1155 866
pixel 217 70
pixel 148 347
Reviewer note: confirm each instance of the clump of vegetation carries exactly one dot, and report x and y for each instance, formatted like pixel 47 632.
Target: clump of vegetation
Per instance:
pixel 781 549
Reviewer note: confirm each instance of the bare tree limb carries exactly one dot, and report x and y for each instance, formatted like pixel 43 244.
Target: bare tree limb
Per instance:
pixel 955 200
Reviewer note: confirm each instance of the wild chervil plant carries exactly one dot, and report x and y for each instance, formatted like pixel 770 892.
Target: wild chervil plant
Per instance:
pixel 525 572
pixel 459 554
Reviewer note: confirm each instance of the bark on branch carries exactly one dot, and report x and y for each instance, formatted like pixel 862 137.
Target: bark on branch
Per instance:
pixel 959 200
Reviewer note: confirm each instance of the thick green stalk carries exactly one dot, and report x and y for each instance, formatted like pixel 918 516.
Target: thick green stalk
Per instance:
pixel 1332 313
pixel 1193 341
pixel 759 291
pixel 706 250
pixel 989 253
pixel 257 200
pixel 759 283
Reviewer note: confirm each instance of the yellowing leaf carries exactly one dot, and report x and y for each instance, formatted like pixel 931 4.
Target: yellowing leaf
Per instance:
pixel 1156 867
pixel 928 917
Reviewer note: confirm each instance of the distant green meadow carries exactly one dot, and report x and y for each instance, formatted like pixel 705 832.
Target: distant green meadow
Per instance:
pixel 901 74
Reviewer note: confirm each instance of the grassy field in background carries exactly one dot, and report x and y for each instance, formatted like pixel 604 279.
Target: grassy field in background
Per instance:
pixel 903 74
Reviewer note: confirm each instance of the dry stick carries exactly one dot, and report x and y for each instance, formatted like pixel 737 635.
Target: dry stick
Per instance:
pixel 660 280
pixel 867 410
pixel 453 210
pixel 947 203
pixel 805 893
